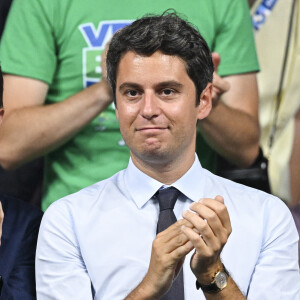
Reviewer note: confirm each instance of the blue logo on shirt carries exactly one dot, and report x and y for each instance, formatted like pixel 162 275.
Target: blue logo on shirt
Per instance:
pixel 261 13
pixel 96 40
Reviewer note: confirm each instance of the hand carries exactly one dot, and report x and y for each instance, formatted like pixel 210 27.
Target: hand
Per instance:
pixel 103 61
pixel 220 85
pixel 104 74
pixel 212 228
pixel 1 220
pixel 168 252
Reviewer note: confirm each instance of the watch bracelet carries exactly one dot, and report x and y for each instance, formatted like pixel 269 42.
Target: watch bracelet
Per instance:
pixel 212 287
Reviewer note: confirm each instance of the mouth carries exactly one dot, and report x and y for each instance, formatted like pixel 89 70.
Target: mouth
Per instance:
pixel 152 129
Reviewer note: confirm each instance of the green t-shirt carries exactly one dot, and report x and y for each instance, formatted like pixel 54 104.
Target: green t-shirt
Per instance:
pixel 60 42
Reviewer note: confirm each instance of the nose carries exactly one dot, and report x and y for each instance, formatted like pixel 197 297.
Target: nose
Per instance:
pixel 150 106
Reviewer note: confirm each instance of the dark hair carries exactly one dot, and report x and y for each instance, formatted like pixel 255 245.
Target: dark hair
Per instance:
pixel 169 34
pixel 1 88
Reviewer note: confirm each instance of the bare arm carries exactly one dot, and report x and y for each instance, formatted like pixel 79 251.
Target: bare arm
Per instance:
pixel 232 127
pixel 295 163
pixel 31 129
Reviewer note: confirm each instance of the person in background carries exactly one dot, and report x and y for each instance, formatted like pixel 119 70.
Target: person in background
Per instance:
pixel 24 182
pixel 19 226
pixel 279 86
pixel 4 9
pixel 56 106
pixel 233 242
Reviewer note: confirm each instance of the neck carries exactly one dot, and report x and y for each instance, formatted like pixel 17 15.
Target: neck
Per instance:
pixel 166 172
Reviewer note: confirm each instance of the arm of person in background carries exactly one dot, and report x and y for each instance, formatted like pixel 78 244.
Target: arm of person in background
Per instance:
pixel 31 129
pixel 232 127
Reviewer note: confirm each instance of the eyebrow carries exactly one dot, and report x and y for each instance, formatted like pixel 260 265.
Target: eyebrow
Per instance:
pixel 164 84
pixel 170 83
pixel 131 85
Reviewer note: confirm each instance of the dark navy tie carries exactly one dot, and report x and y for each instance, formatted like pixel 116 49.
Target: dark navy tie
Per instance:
pixel 167 199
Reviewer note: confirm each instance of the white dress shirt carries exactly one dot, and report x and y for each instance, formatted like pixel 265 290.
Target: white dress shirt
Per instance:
pixel 96 244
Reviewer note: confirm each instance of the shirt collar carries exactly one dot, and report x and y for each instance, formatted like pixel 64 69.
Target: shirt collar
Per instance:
pixel 142 187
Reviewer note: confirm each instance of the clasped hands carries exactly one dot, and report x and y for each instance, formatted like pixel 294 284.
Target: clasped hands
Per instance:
pixel 205 228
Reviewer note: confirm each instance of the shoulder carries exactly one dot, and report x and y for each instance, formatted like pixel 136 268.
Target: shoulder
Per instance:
pixel 243 199
pixel 19 212
pixel 20 230
pixel 72 217
pixel 81 203
pixel 255 213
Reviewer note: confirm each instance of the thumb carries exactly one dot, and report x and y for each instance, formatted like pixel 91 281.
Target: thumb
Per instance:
pixel 220 199
pixel 216 58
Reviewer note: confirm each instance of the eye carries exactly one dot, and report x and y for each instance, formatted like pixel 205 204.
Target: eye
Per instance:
pixel 131 93
pixel 167 92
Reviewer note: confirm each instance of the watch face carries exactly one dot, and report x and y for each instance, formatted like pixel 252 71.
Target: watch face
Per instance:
pixel 221 280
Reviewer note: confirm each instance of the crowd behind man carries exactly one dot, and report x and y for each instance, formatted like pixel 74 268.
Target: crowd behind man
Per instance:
pixel 56 107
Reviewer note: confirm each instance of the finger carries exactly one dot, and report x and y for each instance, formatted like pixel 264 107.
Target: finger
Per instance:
pixel 1 212
pixel 183 250
pixel 195 239
pixel 216 58
pixel 173 230
pixel 220 233
pixel 1 220
pixel 172 238
pixel 103 60
pixel 203 226
pixel 218 207
pixel 220 85
pixel 219 198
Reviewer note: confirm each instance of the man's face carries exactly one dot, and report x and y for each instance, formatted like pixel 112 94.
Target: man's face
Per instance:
pixel 156 107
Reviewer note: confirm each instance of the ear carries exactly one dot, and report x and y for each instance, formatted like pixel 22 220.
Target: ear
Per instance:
pixel 205 104
pixel 1 114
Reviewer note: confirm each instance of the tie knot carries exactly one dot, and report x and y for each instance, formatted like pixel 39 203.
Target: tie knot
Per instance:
pixel 167 198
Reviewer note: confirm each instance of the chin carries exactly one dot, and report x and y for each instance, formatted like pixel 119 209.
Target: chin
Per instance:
pixel 154 156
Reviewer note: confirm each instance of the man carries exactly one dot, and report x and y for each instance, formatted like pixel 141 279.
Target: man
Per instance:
pixel 280 64
pixel 18 238
pixel 56 107
pixel 101 242
pixel 25 182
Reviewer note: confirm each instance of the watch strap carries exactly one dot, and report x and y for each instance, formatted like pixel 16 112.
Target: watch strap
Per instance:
pixel 212 287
